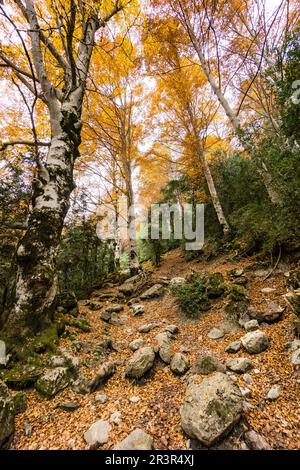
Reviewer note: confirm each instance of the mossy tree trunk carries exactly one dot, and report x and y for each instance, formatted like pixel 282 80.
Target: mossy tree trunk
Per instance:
pixel 32 302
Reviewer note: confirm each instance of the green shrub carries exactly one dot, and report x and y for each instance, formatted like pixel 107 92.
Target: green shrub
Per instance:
pixel 192 296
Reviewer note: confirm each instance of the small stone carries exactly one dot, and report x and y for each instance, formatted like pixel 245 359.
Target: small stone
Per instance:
pixel 138 309
pixel 215 333
pixel 233 347
pixel 255 441
pixel 134 399
pixel 267 290
pixel 239 365
pixel 136 344
pixel 255 342
pixel 295 358
pixel 136 440
pixel 179 364
pixel 173 329
pixel 148 327
pixel 273 394
pixel 27 429
pixel 251 325
pixel 246 392
pixel 177 281
pixel 247 378
pixel 256 371
pixel 69 406
pixel 116 418
pixel 101 398
pixel 97 434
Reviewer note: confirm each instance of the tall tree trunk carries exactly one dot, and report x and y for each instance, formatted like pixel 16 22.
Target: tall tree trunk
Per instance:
pixel 214 195
pixel 230 113
pixel 32 305
pixel 134 264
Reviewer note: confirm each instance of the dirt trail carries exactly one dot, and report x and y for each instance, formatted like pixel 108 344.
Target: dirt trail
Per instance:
pixel 161 393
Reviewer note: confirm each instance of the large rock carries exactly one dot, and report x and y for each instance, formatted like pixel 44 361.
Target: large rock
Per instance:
pixel 7 417
pixel 240 365
pixel 272 314
pixel 211 408
pixel 179 364
pixel 106 370
pixel 164 347
pixel 53 381
pixel 154 291
pixel 97 434
pixel 136 440
pixel 255 342
pixel 140 362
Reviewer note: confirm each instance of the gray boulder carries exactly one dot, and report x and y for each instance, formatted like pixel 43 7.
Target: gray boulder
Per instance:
pixel 233 347
pixel 211 408
pixel 97 434
pixel 136 440
pixel 240 365
pixel 273 394
pixel 215 333
pixel 140 362
pixel 179 364
pixel 53 381
pixel 251 325
pixel 255 342
pixel 164 347
pixel 138 309
pixel 136 344
pixel 255 441
pixel 106 370
pixel 295 358
pixel 154 291
pixel 148 327
pixel 173 329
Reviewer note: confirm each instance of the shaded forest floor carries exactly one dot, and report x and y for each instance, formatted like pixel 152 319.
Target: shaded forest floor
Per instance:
pixel 160 392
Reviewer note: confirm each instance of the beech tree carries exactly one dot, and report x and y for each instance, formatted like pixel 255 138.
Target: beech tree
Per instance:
pixel 188 109
pixel 57 40
pixel 209 28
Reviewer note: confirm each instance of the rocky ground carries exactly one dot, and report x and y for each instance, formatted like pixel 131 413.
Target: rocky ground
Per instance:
pixel 119 391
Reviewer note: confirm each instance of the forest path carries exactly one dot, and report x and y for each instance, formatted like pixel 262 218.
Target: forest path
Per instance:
pixel 160 393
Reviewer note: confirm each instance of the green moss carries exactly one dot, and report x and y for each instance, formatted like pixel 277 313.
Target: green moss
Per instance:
pixel 217 407
pixel 215 285
pixel 236 293
pixel 206 365
pixel 20 403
